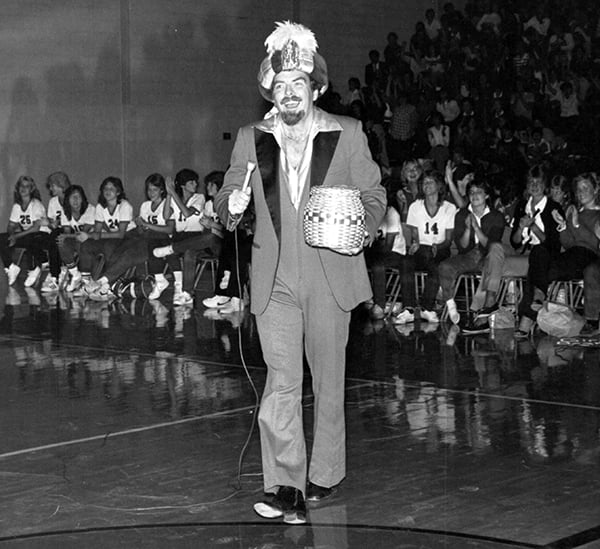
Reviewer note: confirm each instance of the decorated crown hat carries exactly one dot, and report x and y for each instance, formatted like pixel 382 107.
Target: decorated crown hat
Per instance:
pixel 291 46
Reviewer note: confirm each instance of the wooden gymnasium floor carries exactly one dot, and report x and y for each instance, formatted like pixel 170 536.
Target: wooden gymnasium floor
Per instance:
pixel 123 425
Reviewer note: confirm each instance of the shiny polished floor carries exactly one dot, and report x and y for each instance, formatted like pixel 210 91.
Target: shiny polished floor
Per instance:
pixel 131 424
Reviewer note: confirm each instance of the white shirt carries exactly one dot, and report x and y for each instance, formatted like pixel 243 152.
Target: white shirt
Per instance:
pixel 296 176
pixel 433 29
pixel 123 212
pixel 431 229
pixel 87 218
pixel 528 236
pixel 191 223
pixel 439 136
pixel 156 216
pixel 56 211
pixel 25 218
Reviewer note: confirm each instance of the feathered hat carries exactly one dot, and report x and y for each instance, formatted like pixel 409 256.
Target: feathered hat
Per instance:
pixel 291 46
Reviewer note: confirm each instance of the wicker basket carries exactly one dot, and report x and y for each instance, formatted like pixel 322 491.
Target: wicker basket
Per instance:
pixel 334 217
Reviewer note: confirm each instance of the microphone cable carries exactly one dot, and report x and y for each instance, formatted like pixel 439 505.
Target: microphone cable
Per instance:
pixel 243 360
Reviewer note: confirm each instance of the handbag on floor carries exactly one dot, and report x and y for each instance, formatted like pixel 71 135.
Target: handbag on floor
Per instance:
pixel 559 320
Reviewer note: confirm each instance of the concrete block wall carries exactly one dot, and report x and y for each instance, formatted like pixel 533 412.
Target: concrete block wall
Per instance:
pixel 130 87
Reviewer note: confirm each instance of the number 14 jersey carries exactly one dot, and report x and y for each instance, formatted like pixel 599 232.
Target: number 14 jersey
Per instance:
pixel 432 229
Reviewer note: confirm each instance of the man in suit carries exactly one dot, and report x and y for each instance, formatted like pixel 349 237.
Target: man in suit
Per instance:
pixel 376 71
pixel 301 296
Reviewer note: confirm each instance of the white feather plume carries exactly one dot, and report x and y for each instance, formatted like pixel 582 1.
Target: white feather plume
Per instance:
pixel 286 31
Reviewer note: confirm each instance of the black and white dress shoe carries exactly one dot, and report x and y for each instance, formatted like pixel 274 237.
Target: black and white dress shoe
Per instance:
pixel 287 503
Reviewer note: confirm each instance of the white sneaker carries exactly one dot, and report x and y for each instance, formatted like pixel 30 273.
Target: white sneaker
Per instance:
pixel 91 286
pixel 183 298
pixel 453 314
pixel 75 282
pixel 234 305
pixel 429 316
pixel 32 277
pixel 160 285
pixel 163 251
pixel 101 293
pixel 12 272
pixel 404 317
pixel 50 285
pixel 216 301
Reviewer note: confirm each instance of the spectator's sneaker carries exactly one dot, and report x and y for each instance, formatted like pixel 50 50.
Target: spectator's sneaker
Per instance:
pixel 234 305
pixel 216 301
pixel 478 326
pixel 160 285
pixel 429 316
pixel 102 293
pixel 75 282
pixel 90 287
pixel 182 298
pixel 163 251
pixel 393 311
pixel 32 277
pixel 486 311
pixel 12 272
pixel 453 314
pixel 405 316
pixel 50 285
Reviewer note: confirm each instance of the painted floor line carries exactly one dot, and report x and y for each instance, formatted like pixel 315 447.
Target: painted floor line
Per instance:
pixel 108 435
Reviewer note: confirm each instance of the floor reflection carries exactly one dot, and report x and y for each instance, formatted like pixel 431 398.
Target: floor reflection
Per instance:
pixel 432 414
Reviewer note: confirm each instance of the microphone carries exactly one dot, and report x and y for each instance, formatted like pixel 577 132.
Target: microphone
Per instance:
pixel 249 169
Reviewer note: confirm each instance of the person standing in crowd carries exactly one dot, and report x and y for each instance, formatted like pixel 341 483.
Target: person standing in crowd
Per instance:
pixel 301 296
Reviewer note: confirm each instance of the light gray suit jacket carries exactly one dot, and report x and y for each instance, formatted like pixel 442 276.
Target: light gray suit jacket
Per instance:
pixel 340 157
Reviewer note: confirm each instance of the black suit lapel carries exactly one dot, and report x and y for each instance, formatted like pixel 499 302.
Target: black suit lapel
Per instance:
pixel 324 146
pixel 267 155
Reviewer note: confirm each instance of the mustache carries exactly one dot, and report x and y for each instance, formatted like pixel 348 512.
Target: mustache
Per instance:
pixel 292 99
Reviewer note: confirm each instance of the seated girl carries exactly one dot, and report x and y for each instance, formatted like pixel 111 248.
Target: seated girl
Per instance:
pixel 28 229
pixel 152 230
pixel 431 223
pixel 78 219
pixel 113 219
pixel 57 184
pixel 186 206
pixel 207 242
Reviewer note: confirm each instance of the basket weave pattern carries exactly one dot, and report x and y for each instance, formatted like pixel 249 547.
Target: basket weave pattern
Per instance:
pixel 334 217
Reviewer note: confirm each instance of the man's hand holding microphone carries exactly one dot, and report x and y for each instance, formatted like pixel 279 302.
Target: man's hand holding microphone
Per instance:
pixel 240 198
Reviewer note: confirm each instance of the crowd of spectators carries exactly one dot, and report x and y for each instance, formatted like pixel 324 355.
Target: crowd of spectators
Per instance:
pixel 508 84
pixel 501 99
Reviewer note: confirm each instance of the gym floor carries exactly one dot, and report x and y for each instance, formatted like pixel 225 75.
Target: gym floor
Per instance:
pixel 131 424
